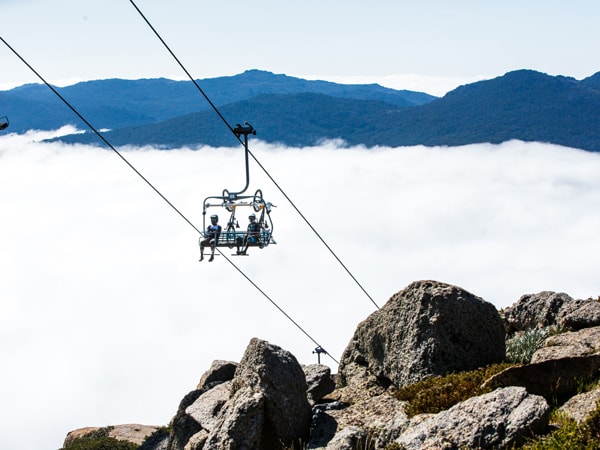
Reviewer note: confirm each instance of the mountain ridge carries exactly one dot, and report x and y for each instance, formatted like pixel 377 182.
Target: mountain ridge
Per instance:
pixel 116 103
pixel 520 105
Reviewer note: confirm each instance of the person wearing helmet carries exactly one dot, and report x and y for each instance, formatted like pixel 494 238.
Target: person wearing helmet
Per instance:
pixel 252 235
pixel 211 237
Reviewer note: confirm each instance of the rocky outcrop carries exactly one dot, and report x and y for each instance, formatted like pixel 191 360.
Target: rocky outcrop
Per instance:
pixel 261 403
pixel 496 420
pixel 429 328
pixel 559 367
pixel 584 313
pixel 581 406
pixel 347 438
pixel 267 406
pixel 552 379
pixel 359 385
pixel 156 441
pixel 134 433
pixel 77 434
pixel 549 308
pixel 206 408
pixel 584 342
pixel 183 425
pixel 370 416
pixel 269 401
pixel 218 372
pixel 319 382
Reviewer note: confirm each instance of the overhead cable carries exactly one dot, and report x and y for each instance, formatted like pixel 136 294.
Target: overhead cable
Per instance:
pixel 91 127
pixel 101 136
pixel 213 106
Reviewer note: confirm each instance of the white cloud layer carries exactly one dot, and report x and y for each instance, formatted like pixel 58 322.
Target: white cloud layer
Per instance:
pixel 108 317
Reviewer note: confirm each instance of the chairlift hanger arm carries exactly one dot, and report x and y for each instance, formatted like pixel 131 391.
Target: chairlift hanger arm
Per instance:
pixel 244 130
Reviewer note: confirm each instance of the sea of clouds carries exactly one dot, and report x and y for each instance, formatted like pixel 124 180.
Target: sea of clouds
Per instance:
pixel 107 316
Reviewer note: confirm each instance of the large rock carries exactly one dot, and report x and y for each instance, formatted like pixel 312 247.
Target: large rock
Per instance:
pixel 568 345
pixel 242 424
pixel 206 408
pixel 267 406
pixel 349 438
pixel 549 308
pixel 583 314
pixel 331 422
pixel 183 425
pixel 552 379
pixel 319 382
pixel 157 441
pixel 218 372
pixel 495 420
pixel 359 385
pixel 197 441
pixel 559 367
pixel 429 328
pixel 581 406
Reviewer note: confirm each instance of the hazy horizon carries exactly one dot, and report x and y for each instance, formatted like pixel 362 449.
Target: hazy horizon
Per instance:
pixel 431 47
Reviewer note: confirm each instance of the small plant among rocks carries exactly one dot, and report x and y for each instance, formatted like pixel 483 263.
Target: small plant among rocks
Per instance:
pixel 521 346
pixel 570 435
pixel 435 394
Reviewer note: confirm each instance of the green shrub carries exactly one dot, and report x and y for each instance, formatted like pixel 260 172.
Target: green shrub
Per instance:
pixel 435 394
pixel 394 446
pixel 570 435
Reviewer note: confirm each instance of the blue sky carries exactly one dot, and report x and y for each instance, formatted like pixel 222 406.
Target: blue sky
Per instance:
pixel 432 46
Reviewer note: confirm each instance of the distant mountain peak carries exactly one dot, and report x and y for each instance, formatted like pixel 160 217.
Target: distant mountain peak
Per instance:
pixel 523 104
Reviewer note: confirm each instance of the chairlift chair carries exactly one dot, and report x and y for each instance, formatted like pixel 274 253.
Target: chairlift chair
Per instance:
pixel 230 236
pixel 231 202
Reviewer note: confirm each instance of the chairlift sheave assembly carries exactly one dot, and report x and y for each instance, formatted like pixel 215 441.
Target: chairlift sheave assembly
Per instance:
pixel 4 123
pixel 260 225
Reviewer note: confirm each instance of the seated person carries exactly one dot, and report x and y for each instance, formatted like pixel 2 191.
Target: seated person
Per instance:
pixel 252 236
pixel 213 231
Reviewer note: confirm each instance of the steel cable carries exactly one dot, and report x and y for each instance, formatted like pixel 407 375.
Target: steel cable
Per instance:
pixel 93 129
pixel 213 106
